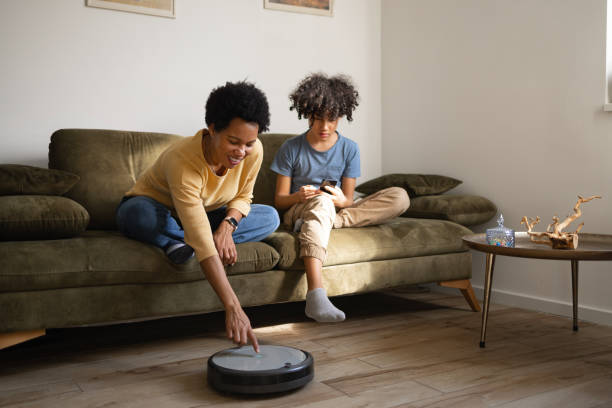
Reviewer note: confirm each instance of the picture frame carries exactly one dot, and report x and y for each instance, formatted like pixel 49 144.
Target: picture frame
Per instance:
pixel 318 7
pixel 161 8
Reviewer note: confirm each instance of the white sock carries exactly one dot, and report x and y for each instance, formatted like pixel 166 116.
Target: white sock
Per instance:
pixel 319 308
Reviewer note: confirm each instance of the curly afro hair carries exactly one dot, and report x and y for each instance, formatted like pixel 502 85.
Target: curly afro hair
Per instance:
pixel 319 96
pixel 237 100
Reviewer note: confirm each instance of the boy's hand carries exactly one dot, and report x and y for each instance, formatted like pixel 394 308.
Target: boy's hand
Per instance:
pixel 337 196
pixel 307 192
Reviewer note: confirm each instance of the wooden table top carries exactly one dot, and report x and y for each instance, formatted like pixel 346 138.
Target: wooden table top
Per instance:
pixel 591 247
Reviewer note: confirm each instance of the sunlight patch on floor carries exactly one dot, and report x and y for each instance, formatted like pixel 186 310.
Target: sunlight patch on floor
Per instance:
pixel 279 328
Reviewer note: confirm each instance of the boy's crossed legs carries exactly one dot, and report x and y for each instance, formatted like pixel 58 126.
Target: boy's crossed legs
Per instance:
pixel 319 217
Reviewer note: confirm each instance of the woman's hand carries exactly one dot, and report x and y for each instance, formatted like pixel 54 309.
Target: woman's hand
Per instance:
pixel 237 324
pixel 305 193
pixel 238 327
pixel 225 243
pixel 337 196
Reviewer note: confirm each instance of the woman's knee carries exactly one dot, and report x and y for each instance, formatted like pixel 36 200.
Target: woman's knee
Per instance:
pixel 134 219
pixel 267 219
pixel 270 214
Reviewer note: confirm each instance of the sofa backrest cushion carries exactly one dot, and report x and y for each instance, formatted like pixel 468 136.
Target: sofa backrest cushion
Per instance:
pixel 263 193
pixel 108 163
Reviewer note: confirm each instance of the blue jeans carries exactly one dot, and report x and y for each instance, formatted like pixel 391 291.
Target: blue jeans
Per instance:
pixel 144 219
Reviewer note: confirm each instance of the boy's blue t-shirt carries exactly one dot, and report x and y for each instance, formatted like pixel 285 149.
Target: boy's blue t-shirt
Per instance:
pixel 297 159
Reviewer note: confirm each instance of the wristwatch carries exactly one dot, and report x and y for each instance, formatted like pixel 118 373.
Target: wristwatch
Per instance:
pixel 232 221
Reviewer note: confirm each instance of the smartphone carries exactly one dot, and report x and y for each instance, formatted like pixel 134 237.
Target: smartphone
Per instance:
pixel 327 183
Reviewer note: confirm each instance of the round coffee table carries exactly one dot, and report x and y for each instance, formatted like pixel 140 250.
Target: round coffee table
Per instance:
pixel 591 247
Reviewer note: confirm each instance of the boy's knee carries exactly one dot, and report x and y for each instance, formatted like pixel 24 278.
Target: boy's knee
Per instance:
pixel 400 200
pixel 403 199
pixel 322 202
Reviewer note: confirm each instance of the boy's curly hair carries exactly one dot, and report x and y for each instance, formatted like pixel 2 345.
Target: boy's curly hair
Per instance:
pixel 237 100
pixel 319 96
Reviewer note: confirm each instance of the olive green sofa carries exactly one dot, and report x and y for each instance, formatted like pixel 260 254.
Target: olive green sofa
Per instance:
pixel 102 277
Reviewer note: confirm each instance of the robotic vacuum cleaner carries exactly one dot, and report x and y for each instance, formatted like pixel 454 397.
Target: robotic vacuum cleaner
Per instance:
pixel 273 369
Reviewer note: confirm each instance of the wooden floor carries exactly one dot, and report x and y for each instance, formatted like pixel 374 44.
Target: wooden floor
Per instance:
pixel 397 349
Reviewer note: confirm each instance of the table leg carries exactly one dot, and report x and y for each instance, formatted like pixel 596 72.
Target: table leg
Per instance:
pixel 487 297
pixel 575 292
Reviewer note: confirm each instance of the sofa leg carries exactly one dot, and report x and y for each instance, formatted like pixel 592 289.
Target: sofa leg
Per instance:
pixel 465 286
pixel 10 339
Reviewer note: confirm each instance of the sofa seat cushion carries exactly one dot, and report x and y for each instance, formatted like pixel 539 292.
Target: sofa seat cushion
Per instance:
pixel 399 238
pixel 29 310
pixel 108 258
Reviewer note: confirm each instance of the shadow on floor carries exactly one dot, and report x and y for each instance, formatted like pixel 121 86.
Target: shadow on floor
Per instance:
pixel 69 340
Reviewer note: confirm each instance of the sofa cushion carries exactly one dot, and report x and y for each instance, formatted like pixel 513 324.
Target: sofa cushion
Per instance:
pixel 108 163
pixel 108 258
pixel 20 179
pixel 263 192
pixel 463 209
pixel 399 238
pixel 29 310
pixel 27 217
pixel 415 184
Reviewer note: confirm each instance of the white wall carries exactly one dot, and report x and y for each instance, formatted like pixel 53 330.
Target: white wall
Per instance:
pixel 507 96
pixel 65 65
pixel 609 54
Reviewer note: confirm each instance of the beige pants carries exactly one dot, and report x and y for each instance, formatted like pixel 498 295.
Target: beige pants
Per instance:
pixel 319 216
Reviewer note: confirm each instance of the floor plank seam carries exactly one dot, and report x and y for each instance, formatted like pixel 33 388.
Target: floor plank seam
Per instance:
pixel 78 385
pixel 368 363
pixel 416 380
pixel 337 389
pixel 40 384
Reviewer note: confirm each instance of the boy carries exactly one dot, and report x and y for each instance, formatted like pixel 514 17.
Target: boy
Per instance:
pixel 305 161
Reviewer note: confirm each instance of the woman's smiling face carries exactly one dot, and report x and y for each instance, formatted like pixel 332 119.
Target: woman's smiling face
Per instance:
pixel 231 145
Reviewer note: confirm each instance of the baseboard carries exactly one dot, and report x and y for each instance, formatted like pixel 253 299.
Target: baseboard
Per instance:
pixel 589 314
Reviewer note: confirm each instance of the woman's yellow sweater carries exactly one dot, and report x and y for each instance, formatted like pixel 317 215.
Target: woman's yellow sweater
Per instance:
pixel 183 181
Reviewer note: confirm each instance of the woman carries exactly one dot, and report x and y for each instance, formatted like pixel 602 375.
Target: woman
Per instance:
pixel 304 162
pixel 196 198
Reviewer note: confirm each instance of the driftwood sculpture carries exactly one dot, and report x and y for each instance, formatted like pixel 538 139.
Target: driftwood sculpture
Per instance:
pixel 554 235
